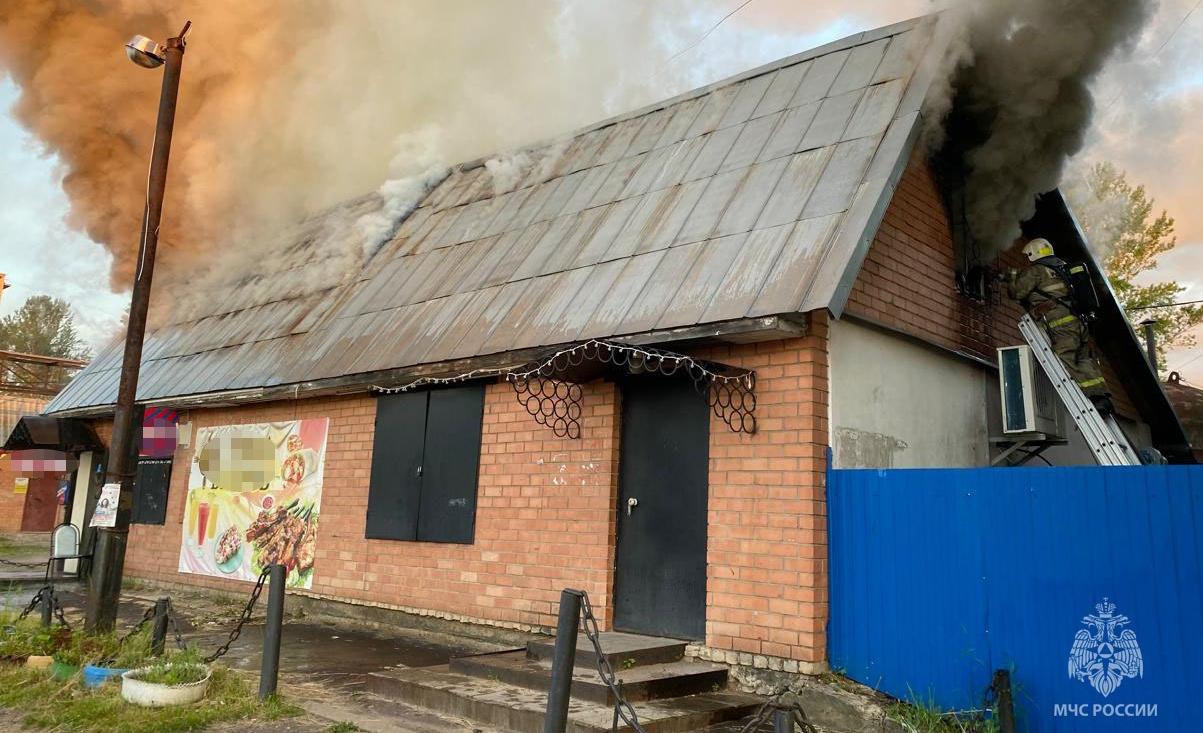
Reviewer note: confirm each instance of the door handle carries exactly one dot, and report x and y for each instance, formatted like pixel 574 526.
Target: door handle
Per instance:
pixel 631 504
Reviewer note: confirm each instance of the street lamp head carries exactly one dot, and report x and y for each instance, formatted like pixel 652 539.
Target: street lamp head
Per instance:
pixel 145 52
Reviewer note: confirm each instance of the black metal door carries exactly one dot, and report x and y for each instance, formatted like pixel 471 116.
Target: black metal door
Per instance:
pixel 660 579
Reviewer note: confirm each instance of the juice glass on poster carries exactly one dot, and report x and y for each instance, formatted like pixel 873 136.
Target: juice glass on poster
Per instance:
pixel 202 523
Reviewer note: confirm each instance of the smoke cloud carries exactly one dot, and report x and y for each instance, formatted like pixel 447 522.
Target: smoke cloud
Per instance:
pixel 288 107
pixel 1023 104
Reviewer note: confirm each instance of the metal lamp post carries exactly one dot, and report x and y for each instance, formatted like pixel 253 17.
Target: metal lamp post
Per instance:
pixel 104 587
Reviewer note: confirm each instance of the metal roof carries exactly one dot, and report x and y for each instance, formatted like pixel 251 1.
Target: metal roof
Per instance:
pixel 752 197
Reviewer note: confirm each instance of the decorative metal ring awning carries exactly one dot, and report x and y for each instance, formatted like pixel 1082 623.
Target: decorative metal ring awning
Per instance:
pixel 549 389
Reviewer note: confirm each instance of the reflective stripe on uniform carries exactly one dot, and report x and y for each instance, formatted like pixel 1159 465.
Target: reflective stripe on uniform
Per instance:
pixel 1062 321
pixel 1091 383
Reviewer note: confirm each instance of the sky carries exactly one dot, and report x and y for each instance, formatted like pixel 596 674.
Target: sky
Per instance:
pixel 1150 123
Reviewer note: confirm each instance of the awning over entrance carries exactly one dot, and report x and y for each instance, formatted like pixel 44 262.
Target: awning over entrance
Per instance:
pixel 54 433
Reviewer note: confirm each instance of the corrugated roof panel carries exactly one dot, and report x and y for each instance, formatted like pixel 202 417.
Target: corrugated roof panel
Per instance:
pixel 613 221
pixel 582 247
pixel 861 66
pixel 702 282
pixel 683 116
pixel 749 96
pixel 794 187
pixel 647 308
pixel 551 240
pixel 875 110
pixel 841 178
pixel 747 274
pixel 468 319
pixel 643 220
pixel 570 246
pixel 505 219
pixel 562 294
pixel 787 136
pixel 716 106
pixel 782 89
pixel 819 78
pixel 572 320
pixel 750 200
pixel 611 309
pixel 668 224
pixel 751 141
pixel 707 162
pixel 653 127
pixel 710 207
pixel 792 273
pixel 831 120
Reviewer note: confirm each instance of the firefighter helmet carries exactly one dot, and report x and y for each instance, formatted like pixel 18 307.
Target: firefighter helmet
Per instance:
pixel 1038 249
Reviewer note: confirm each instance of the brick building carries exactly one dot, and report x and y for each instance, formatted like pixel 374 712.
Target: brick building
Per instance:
pixel 777 238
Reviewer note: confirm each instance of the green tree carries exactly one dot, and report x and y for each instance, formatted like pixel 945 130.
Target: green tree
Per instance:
pixel 43 326
pixel 1118 218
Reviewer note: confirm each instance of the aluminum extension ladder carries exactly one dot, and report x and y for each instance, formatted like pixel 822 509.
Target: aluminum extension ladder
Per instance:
pixel 1103 434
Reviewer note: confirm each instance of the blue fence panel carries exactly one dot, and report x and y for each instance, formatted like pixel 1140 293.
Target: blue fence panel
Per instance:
pixel 940 576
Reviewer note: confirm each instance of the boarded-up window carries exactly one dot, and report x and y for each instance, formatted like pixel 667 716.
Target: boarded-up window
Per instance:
pixel 150 490
pixel 425 458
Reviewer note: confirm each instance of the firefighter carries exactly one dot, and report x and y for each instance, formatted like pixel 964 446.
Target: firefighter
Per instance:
pixel 1045 293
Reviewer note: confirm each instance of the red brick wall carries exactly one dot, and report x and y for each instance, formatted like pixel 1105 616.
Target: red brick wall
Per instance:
pixel 546 513
pixel 908 282
pixel 543 519
pixel 767 553
pixel 12 505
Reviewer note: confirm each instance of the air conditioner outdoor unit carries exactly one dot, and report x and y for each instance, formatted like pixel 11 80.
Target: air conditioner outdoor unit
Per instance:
pixel 1029 402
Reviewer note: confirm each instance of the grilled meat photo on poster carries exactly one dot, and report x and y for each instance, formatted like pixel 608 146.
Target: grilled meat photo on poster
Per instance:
pixel 254 497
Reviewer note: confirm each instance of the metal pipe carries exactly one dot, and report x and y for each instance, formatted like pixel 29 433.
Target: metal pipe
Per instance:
pixel 269 671
pixel 783 721
pixel 47 604
pixel 104 587
pixel 158 636
pixel 1004 701
pixel 563 660
pixel 1151 342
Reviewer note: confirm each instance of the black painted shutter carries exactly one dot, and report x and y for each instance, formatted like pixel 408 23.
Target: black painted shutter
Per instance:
pixel 151 481
pixel 396 483
pixel 453 430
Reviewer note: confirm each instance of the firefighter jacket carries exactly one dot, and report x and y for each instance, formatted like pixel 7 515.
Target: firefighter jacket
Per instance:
pixel 1042 293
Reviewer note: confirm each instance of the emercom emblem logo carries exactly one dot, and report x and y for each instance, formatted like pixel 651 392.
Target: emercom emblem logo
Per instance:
pixel 1104 653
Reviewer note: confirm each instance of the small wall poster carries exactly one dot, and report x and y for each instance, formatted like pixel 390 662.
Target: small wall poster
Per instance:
pixel 254 496
pixel 21 485
pixel 105 514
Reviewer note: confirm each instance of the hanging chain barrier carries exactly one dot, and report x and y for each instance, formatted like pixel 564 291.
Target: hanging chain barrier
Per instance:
pixel 547 391
pixel 146 617
pixel 46 594
pixel 784 700
pixel 242 619
pixel 16 564
pixel 622 708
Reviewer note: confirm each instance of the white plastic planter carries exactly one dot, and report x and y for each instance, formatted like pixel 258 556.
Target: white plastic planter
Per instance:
pixel 154 695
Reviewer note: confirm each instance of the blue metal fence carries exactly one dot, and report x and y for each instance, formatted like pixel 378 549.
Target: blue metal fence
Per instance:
pixel 940 576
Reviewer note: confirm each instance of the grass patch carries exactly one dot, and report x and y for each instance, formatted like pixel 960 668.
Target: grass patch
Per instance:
pixel 69 706
pixel 343 727
pixel 926 717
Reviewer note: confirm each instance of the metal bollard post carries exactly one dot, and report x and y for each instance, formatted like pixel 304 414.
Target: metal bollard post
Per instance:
pixel 47 604
pixel 1002 696
pixel 159 632
pixel 783 721
pixel 270 670
pixel 562 661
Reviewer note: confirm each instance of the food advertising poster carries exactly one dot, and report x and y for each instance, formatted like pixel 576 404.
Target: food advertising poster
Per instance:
pixel 254 496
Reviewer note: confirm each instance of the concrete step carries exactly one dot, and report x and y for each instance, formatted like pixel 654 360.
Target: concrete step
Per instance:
pixel 623 650
pixel 639 683
pixel 520 710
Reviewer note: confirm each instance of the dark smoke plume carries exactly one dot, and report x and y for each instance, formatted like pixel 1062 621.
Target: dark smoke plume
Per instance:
pixel 1022 102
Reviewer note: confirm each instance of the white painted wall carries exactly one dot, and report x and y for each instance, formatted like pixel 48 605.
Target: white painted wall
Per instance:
pixel 895 403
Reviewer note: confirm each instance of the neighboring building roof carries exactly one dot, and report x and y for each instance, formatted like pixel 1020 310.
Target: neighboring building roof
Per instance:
pixel 1188 403
pixel 752 197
